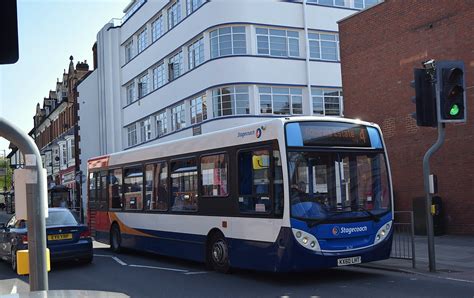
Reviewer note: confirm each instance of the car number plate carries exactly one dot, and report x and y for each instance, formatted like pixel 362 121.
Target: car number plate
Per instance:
pixel 60 237
pixel 349 261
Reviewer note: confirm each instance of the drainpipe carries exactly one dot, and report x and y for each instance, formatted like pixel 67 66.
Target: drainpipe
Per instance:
pixel 308 71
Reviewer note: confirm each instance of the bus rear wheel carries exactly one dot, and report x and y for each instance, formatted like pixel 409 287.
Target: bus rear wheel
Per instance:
pixel 218 253
pixel 115 239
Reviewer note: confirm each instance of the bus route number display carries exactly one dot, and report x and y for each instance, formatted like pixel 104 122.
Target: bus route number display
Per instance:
pixel 334 134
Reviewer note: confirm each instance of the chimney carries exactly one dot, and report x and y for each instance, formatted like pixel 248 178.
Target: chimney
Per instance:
pixel 94 53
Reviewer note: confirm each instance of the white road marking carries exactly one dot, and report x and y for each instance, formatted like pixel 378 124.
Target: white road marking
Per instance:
pixel 114 258
pixel 187 272
pixel 196 272
pixel 14 290
pixel 159 268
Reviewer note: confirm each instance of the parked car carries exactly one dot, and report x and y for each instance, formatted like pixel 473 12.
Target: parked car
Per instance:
pixel 66 238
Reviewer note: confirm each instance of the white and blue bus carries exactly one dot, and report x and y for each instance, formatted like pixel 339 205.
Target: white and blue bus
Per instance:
pixel 280 194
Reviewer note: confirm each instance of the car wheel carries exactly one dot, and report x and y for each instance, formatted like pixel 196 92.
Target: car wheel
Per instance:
pixel 13 259
pixel 218 253
pixel 115 239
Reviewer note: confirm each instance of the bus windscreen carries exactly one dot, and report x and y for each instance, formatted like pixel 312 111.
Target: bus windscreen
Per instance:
pixel 332 134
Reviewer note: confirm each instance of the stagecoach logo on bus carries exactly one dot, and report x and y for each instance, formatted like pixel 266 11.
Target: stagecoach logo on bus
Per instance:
pixel 336 230
pixel 257 133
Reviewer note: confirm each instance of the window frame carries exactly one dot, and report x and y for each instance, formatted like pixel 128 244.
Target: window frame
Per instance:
pixel 319 41
pixel 269 148
pixel 175 11
pixel 124 201
pixel 196 49
pixel 232 40
pixel 142 40
pixel 155 24
pixel 229 180
pixel 268 35
pixel 183 110
pixel 272 94
pixel 171 196
pixel 109 170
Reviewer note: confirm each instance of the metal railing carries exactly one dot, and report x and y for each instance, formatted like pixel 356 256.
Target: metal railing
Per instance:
pixel 403 245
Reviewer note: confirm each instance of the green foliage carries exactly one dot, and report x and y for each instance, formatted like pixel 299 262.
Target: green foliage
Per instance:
pixel 4 163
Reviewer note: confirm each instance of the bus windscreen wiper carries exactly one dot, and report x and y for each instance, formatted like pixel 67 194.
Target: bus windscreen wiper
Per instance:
pixel 376 218
pixel 314 223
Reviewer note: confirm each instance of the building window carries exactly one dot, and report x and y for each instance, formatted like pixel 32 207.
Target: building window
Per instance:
pixel 214 171
pixel 129 51
pixel 131 93
pixel 324 46
pixel 145 130
pixel 196 53
pixel 327 101
pixel 157 28
pixel 132 9
pixel 174 15
pixel 132 135
pixel 198 109
pixel 161 124
pixel 178 117
pixel 70 152
pixel 175 66
pixel 159 76
pixel 280 43
pixel 143 86
pixel 184 185
pixel 231 100
pixel 281 101
pixel 133 188
pixel 228 41
pixel 142 40
pixel 359 4
pixel 193 5
pixel 63 155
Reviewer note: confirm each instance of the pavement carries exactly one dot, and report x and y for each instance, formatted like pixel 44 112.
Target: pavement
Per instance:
pixel 454 257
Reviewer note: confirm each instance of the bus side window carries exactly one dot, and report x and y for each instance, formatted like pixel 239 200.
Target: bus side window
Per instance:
pixel 161 194
pixel 115 189
pixel 254 181
pixel 184 183
pixel 133 188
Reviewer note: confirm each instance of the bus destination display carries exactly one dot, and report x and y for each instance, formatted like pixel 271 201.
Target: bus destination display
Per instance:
pixel 334 134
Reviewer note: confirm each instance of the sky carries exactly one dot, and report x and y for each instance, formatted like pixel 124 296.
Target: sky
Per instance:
pixel 49 32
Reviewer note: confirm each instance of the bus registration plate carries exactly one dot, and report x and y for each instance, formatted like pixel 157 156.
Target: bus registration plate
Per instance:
pixel 349 261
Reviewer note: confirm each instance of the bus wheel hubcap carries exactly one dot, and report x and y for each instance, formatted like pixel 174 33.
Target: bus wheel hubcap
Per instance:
pixel 219 252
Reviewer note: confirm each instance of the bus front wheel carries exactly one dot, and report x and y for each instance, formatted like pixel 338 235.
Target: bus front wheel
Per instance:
pixel 115 239
pixel 218 253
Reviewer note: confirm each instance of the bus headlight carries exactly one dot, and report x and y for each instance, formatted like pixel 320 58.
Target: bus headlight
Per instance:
pixel 383 232
pixel 306 240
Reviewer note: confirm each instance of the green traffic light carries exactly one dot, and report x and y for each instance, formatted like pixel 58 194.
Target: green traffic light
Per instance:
pixel 454 110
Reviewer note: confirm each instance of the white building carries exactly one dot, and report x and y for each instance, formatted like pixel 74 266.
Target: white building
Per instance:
pixel 170 69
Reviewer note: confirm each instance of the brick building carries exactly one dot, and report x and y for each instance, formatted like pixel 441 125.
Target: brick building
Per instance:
pixel 380 47
pixel 56 135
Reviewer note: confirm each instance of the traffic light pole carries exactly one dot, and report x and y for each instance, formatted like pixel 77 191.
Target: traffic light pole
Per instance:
pixel 35 204
pixel 429 215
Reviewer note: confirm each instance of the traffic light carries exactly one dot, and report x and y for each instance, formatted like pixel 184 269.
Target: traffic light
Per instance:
pixel 452 98
pixel 425 98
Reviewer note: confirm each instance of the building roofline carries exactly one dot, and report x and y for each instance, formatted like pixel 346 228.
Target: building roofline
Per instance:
pixel 359 12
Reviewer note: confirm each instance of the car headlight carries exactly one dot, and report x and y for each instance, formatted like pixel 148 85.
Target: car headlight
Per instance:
pixel 306 240
pixel 383 232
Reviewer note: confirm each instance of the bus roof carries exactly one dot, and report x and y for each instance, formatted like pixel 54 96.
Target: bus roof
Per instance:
pixel 269 128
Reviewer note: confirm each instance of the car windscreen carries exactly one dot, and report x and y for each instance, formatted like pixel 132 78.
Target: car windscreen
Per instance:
pixel 60 218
